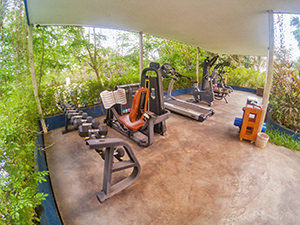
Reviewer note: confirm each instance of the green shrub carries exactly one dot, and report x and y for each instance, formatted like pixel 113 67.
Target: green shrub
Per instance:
pixel 243 77
pixel 18 179
pixel 86 92
pixel 285 96
pixel 181 82
pixel 83 93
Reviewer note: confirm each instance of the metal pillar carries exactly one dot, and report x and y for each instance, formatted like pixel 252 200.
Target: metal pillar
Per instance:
pixel 197 67
pixel 33 78
pixel 269 78
pixel 141 53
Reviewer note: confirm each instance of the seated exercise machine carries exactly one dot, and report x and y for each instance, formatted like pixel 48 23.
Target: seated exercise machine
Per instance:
pixel 130 90
pixel 182 107
pixel 147 114
pixel 116 153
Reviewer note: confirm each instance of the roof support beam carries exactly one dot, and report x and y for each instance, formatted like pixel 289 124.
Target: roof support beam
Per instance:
pixel 141 53
pixel 269 78
pixel 33 78
pixel 197 67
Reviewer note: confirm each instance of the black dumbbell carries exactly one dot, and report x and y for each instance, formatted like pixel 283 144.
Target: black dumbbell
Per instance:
pixel 66 110
pixel 72 113
pixel 100 132
pixel 85 129
pixel 118 153
pixel 72 105
pixel 79 121
pixel 63 106
pixel 94 131
pixel 80 116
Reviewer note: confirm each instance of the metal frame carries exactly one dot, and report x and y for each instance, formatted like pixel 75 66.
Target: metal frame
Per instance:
pixel 269 78
pixel 110 144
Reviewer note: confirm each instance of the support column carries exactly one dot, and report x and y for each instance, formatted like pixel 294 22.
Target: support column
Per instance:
pixel 269 78
pixel 33 78
pixel 141 53
pixel 197 67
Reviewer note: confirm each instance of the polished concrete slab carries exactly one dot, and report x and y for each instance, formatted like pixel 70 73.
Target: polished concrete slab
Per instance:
pixel 199 173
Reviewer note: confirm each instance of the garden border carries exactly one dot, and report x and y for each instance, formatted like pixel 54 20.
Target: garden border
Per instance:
pixel 47 211
pixel 272 123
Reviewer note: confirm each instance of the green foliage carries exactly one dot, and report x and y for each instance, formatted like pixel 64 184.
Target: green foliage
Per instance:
pixel 282 139
pixel 245 77
pixel 18 119
pixel 180 83
pixel 13 45
pixel 285 96
pixel 18 180
pixel 181 56
pixel 55 49
pixel 83 93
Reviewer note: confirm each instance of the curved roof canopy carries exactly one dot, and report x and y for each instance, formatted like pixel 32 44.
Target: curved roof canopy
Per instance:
pixel 222 26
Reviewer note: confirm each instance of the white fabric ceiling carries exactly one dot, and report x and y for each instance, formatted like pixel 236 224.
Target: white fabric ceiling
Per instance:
pixel 221 26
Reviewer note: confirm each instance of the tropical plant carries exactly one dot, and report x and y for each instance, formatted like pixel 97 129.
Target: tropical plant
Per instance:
pixel 18 178
pixel 285 96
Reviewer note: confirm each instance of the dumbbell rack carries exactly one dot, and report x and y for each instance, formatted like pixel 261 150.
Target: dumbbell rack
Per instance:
pixel 251 119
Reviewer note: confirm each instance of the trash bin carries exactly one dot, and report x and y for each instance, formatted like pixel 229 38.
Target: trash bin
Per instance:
pixel 261 140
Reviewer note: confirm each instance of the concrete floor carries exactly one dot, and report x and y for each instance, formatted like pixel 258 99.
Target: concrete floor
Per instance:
pixel 199 173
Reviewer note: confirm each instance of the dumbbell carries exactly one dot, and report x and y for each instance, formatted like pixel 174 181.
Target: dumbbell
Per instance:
pixel 62 104
pixel 71 105
pixel 79 116
pixel 67 111
pixel 93 131
pixel 79 121
pixel 100 132
pixel 66 106
pixel 72 113
pixel 118 153
pixel 83 129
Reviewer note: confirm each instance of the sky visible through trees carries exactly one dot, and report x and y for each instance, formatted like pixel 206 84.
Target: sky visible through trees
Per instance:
pixel 288 37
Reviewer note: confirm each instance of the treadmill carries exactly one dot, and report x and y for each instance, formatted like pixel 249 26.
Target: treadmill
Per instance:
pixel 182 107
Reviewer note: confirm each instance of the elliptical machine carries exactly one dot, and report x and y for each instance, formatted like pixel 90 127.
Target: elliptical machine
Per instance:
pixel 205 94
pixel 220 88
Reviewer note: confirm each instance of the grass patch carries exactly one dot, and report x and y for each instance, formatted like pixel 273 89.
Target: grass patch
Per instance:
pixel 280 138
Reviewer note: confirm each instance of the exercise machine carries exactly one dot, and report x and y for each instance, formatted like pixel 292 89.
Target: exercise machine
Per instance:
pixel 116 153
pixel 182 107
pixel 130 90
pixel 108 149
pixel 220 88
pixel 205 94
pixel 147 114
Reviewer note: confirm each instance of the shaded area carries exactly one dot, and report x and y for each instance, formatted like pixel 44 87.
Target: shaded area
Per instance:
pixel 199 173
